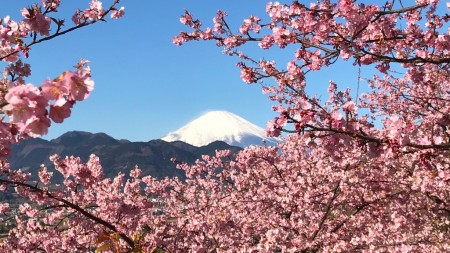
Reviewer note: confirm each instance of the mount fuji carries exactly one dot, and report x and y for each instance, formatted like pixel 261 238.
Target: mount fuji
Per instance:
pixel 220 126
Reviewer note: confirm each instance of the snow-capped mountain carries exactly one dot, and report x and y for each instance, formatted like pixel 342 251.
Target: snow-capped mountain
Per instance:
pixel 220 126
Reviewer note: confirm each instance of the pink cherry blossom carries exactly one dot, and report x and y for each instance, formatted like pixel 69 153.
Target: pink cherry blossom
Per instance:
pixel 350 107
pixel 24 101
pixel 4 207
pixel 95 11
pixel 55 90
pixel 247 75
pixel 34 126
pixel 51 4
pixel 36 21
pixel 60 112
pixel 80 84
pixel 118 13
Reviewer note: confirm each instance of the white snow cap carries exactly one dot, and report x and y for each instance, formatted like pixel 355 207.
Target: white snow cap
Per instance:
pixel 220 126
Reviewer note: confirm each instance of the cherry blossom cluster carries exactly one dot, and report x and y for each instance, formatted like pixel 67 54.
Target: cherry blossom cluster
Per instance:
pixel 325 32
pixel 27 110
pixel 26 104
pixel 294 197
pixel 37 23
pixel 96 12
pixel 72 215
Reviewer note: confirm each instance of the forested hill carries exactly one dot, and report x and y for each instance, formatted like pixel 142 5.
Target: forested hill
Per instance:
pixel 152 157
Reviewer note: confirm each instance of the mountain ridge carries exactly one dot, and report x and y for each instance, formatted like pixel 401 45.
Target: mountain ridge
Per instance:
pixel 152 157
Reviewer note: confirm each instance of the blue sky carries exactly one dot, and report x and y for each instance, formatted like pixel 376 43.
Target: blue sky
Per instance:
pixel 145 86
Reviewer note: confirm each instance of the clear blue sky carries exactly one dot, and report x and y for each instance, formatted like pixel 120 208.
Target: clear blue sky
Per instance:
pixel 144 85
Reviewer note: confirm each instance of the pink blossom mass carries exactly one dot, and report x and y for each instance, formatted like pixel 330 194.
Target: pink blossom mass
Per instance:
pixel 352 173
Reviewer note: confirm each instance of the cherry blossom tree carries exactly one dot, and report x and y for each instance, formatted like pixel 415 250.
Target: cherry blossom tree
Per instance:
pixel 344 180
pixel 27 110
pixel 352 174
